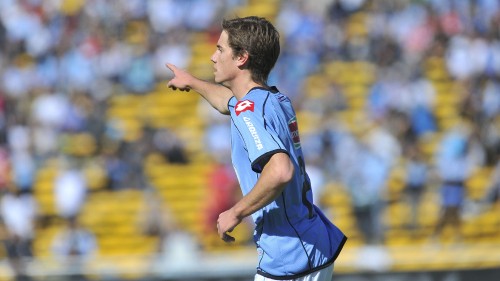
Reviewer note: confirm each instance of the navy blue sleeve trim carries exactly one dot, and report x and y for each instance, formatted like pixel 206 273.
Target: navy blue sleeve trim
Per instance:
pixel 302 274
pixel 259 163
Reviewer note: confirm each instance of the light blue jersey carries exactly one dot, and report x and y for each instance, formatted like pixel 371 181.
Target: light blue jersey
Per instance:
pixel 292 235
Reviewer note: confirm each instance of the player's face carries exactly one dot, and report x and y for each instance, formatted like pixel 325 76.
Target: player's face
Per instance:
pixel 225 66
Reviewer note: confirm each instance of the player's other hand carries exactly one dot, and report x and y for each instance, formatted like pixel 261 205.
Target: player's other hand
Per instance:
pixel 180 80
pixel 225 224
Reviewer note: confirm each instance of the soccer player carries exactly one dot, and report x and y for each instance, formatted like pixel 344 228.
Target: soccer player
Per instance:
pixel 294 239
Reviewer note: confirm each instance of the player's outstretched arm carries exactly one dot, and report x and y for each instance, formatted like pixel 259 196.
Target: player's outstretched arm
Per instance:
pixel 273 179
pixel 217 95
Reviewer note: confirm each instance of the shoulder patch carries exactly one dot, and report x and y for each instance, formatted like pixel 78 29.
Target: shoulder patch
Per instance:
pixel 294 131
pixel 243 106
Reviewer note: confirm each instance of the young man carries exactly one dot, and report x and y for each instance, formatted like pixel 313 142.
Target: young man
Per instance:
pixel 294 239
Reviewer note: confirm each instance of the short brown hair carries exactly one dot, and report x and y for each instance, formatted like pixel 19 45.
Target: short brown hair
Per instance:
pixel 259 38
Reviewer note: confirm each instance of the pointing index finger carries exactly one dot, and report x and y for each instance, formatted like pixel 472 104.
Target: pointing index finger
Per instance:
pixel 170 66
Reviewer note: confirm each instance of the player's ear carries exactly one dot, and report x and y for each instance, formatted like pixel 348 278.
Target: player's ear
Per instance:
pixel 242 59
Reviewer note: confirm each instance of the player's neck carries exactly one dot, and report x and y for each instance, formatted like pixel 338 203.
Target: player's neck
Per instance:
pixel 240 87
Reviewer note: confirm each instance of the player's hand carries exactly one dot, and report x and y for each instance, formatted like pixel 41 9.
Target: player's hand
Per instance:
pixel 180 79
pixel 226 223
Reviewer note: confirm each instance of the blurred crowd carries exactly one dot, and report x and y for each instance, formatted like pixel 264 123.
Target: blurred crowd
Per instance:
pixel 62 61
pixel 435 76
pixel 60 64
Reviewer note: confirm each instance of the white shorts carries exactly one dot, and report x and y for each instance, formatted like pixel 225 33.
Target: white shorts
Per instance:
pixel 324 274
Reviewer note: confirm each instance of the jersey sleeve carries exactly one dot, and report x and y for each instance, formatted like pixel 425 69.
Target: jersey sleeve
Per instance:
pixel 261 140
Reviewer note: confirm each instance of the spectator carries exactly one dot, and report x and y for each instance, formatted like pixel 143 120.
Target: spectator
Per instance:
pixel 492 193
pixel 416 180
pixel 74 241
pixel 454 166
pixel 139 75
pixel 170 146
pixel 70 190
pixel 19 213
pixel 364 174
pixel 367 195
pixel 73 246
pixel 5 168
pixel 116 171
pixel 155 219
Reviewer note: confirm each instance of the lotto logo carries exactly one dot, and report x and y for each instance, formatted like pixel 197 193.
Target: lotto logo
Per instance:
pixel 243 106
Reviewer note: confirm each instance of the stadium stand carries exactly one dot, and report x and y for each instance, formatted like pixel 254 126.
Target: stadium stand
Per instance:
pixel 114 215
